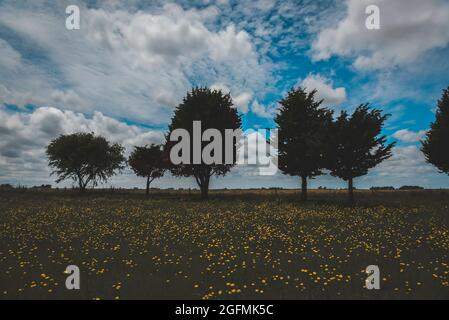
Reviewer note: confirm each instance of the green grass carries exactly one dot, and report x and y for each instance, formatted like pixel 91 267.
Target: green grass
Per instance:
pixel 238 245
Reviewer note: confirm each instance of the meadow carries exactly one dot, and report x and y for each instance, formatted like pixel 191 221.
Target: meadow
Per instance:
pixel 238 245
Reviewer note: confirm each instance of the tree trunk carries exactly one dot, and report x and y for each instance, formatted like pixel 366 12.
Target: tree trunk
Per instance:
pixel 351 190
pixel 204 192
pixel 81 184
pixel 202 179
pixel 203 183
pixel 204 188
pixel 304 188
pixel 147 192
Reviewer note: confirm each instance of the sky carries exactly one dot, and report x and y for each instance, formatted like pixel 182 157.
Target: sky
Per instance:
pixel 131 62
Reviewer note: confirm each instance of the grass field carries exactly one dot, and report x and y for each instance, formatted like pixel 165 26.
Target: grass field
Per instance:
pixel 238 245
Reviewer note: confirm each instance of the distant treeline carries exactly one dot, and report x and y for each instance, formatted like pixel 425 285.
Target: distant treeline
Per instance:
pixel 49 186
pixel 401 188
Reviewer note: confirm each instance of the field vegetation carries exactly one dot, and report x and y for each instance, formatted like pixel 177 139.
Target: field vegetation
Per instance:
pixel 253 244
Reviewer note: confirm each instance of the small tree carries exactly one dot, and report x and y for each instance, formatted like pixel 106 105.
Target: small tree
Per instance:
pixel 215 111
pixel 84 158
pixel 303 132
pixel 435 146
pixel 147 162
pixel 356 144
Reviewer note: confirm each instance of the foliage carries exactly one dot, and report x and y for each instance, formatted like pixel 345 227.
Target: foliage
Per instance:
pixel 435 146
pixel 85 158
pixel 389 188
pixel 357 144
pixel 215 110
pixel 303 135
pixel 411 188
pixel 148 162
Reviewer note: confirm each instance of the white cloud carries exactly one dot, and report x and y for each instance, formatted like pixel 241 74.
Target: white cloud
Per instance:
pixel 25 136
pixel 9 58
pixel 230 45
pixel 176 36
pixel 15 97
pixel 409 28
pixel 220 86
pixel 325 90
pixel 242 100
pixel 406 162
pixel 137 65
pixel 409 136
pixel 67 98
pixel 263 111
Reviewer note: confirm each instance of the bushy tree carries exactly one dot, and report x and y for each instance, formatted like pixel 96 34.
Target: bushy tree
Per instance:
pixel 436 144
pixel 303 129
pixel 84 158
pixel 357 144
pixel 215 111
pixel 148 162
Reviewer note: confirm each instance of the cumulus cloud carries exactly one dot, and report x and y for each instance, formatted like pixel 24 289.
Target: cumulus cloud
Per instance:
pixel 9 58
pixel 263 111
pixel 406 162
pixel 176 36
pixel 325 90
pixel 409 28
pixel 135 64
pixel 409 136
pixel 25 136
pixel 67 98
pixel 240 100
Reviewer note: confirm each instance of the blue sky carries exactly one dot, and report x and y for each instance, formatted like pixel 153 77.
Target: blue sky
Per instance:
pixel 131 62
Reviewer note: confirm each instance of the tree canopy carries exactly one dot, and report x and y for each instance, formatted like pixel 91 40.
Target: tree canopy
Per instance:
pixel 215 110
pixel 84 158
pixel 303 134
pixel 435 145
pixel 148 162
pixel 357 144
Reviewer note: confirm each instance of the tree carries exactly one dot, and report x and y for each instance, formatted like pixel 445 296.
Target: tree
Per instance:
pixel 303 131
pixel 435 145
pixel 357 145
pixel 84 158
pixel 215 111
pixel 148 162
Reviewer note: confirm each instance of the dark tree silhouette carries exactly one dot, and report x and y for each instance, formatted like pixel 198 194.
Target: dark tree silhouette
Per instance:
pixel 303 135
pixel 215 111
pixel 435 146
pixel 356 144
pixel 148 162
pixel 84 158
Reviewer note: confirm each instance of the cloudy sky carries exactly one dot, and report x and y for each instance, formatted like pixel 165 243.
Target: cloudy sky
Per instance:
pixel 130 64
